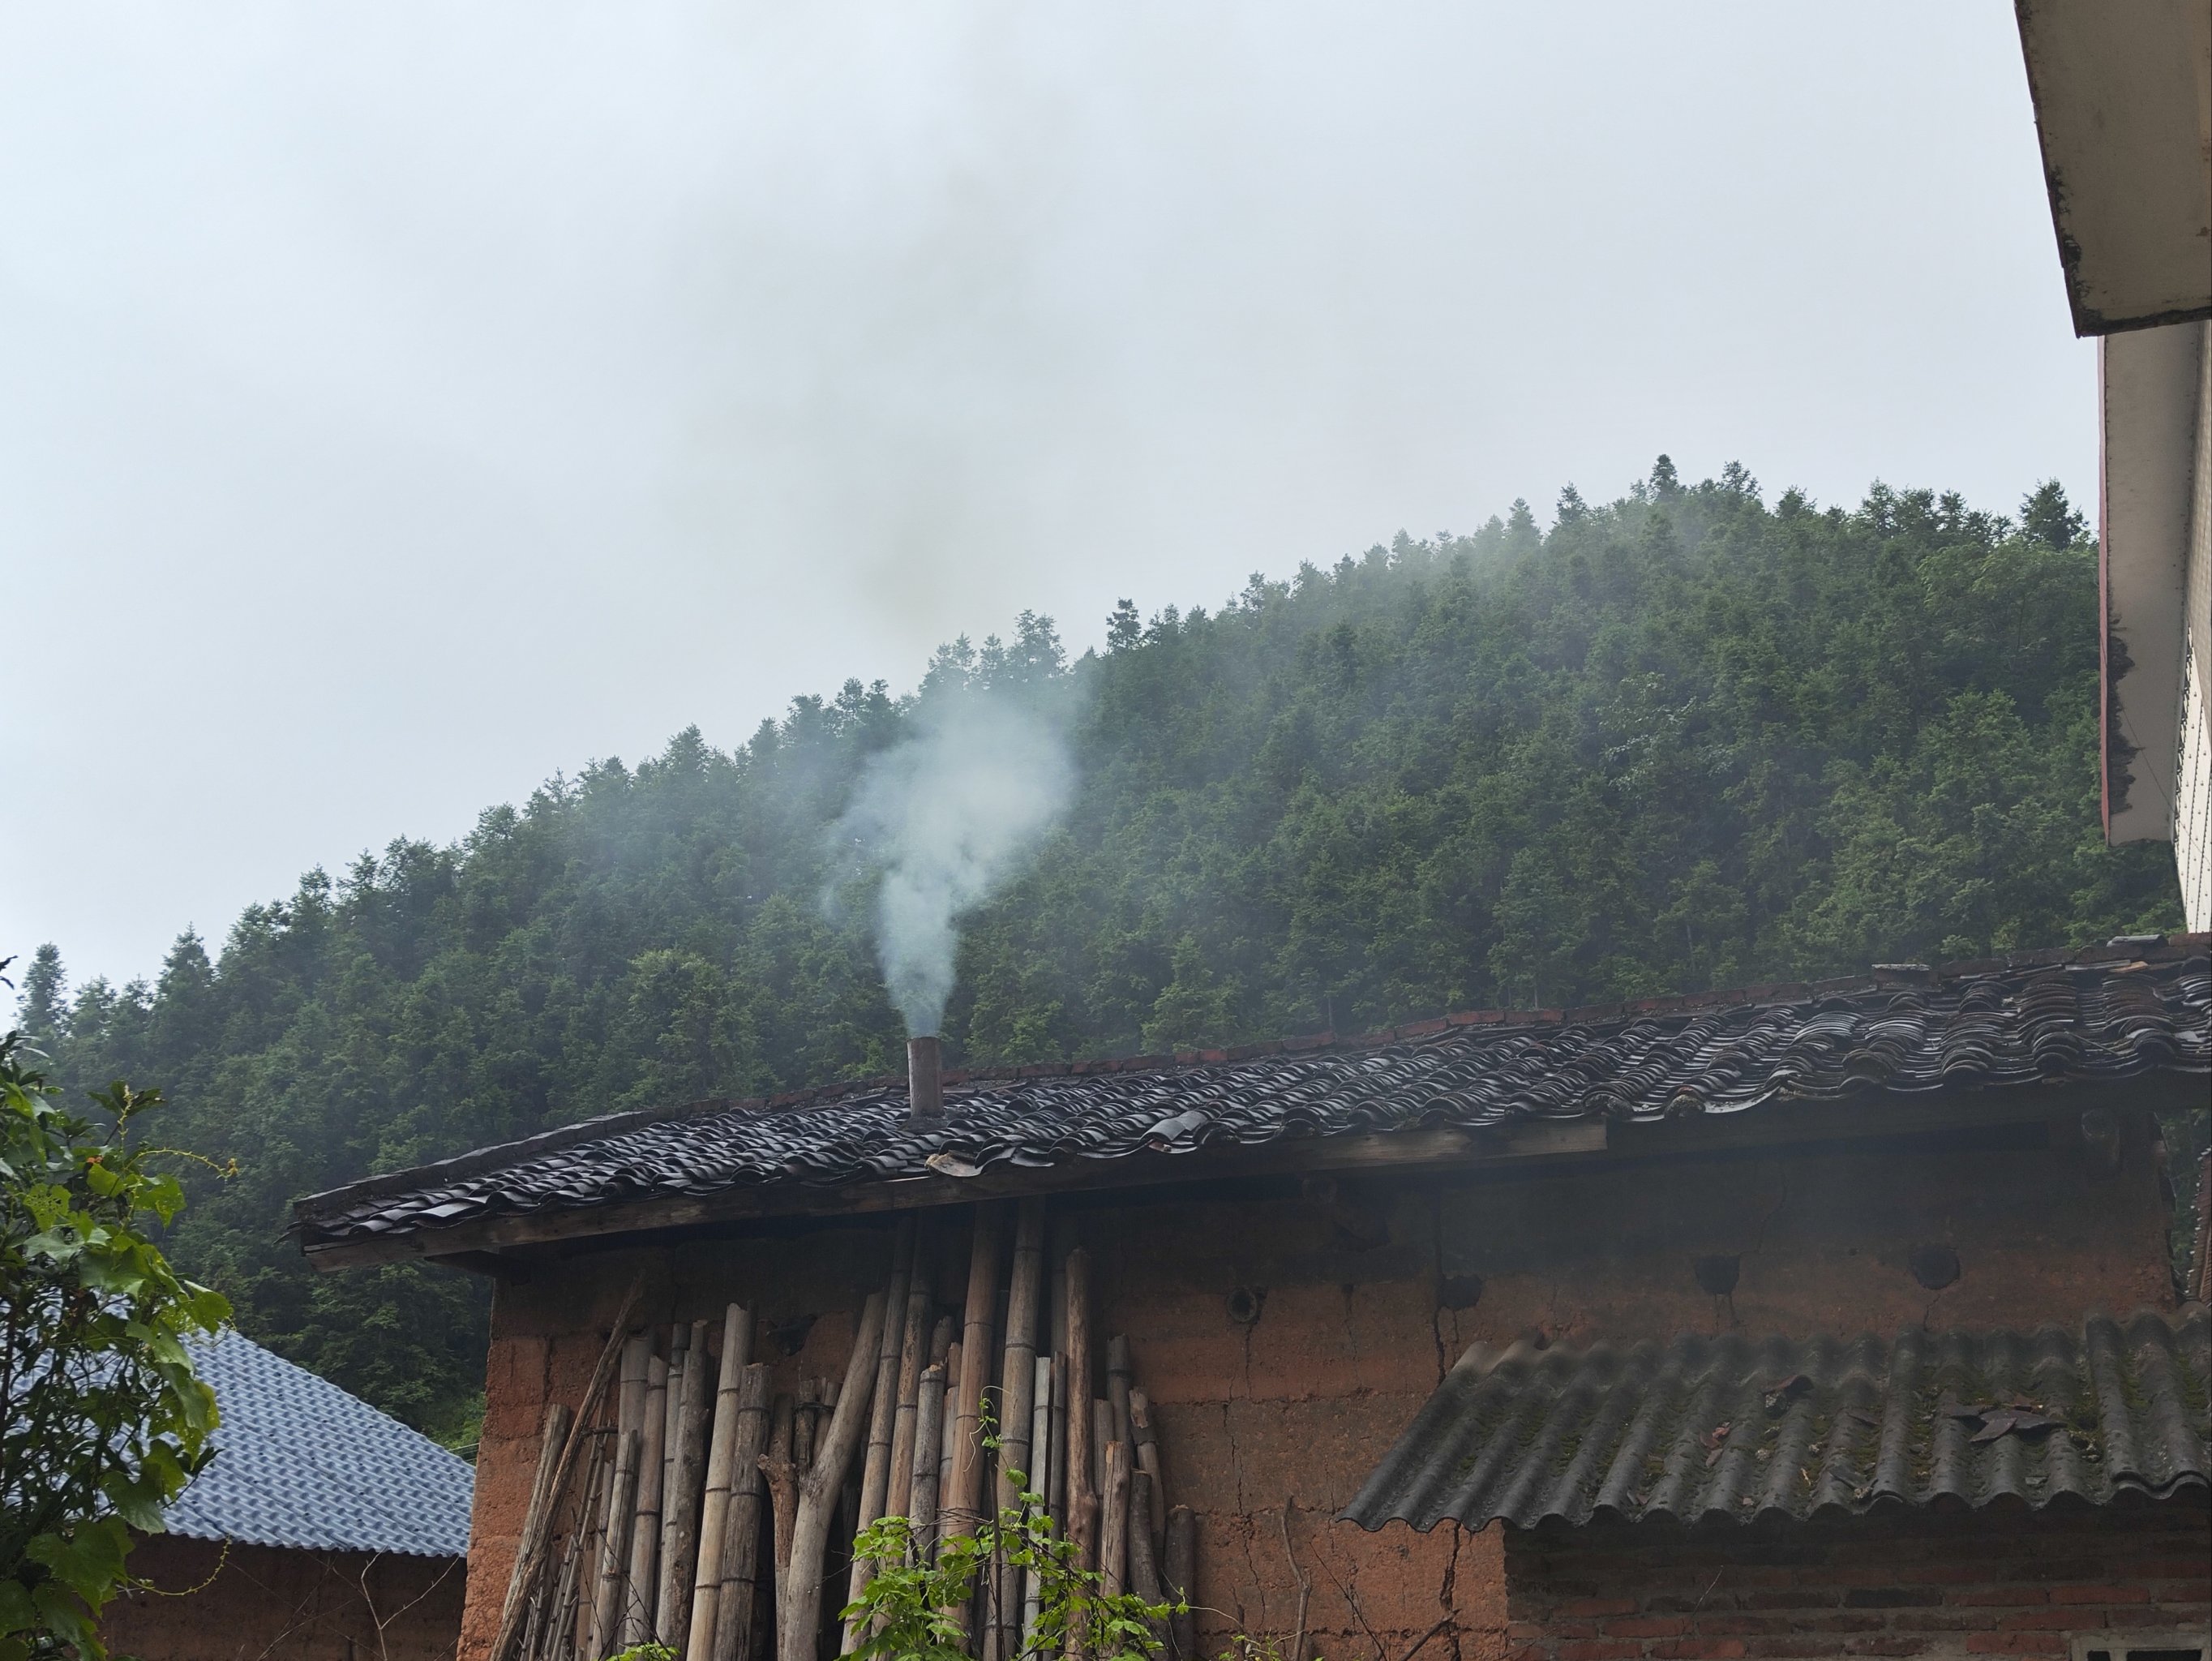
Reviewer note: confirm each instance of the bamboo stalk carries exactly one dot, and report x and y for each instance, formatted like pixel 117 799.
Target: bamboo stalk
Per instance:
pixel 740 1561
pixel 1114 1531
pixel 1056 1495
pixel 1082 1494
pixel 883 1412
pixel 913 1356
pixel 1180 1570
pixel 1016 1396
pixel 640 1594
pixel 962 1503
pixel 551 1440
pixel 714 1514
pixel 798 1605
pixel 672 1433
pixel 619 1513
pixel 614 1544
pixel 928 1437
pixel 679 1504
pixel 584 1549
pixel 777 1467
pixel 944 1429
pixel 1148 1461
pixel 1040 1483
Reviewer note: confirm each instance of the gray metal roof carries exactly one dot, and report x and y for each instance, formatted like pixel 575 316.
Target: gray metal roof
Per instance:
pixel 1731 1427
pixel 300 1463
pixel 2110 1012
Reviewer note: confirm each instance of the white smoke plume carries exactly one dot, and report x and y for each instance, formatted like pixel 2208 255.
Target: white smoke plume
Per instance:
pixel 946 817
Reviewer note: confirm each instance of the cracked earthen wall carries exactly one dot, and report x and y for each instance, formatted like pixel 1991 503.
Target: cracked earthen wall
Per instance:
pixel 1360 1292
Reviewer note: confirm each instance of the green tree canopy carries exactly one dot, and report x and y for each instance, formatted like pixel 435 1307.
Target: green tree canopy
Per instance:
pixel 1684 739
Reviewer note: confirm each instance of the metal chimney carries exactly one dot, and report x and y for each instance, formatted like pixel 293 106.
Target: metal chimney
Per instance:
pixel 925 1091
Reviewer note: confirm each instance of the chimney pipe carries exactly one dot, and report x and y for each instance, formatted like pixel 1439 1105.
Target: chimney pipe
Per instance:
pixel 925 1093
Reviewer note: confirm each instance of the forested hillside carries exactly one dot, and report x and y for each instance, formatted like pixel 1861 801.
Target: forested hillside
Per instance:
pixel 1682 741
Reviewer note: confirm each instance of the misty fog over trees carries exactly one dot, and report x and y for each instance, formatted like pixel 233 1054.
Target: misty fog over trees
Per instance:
pixel 1683 739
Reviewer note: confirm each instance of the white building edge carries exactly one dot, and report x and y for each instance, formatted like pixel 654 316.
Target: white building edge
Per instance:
pixel 2123 92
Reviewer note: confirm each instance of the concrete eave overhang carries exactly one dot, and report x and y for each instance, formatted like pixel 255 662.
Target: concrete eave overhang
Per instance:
pixel 2123 95
pixel 2149 391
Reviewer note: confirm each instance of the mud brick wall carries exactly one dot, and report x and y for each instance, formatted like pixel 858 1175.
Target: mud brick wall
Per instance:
pixel 2004 1581
pixel 1356 1296
pixel 264 1603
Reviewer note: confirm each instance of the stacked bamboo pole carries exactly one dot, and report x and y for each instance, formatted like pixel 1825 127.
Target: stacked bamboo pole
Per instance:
pixel 876 1476
pixel 637 1615
pixel 715 1508
pixel 738 1570
pixel 646 1518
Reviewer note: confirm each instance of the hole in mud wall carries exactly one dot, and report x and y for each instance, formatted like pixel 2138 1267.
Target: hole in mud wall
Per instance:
pixel 1244 1305
pixel 1934 1266
pixel 1716 1276
pixel 1460 1292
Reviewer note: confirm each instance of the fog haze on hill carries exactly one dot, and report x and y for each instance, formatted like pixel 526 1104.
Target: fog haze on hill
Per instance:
pixel 405 402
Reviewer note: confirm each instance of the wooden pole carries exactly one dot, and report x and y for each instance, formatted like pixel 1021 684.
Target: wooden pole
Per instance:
pixel 913 1356
pixel 714 1514
pixel 621 1509
pixel 961 1504
pixel 530 1552
pixel 1114 1531
pixel 806 1423
pixel 1182 1573
pixel 776 1471
pixel 740 1562
pixel 552 1439
pixel 799 1606
pixel 571 1607
pixel 1144 1563
pixel 1120 1374
pixel 1017 1394
pixel 1155 1513
pixel 614 1545
pixel 679 1504
pixel 928 1435
pixel 1082 1495
pixel 883 1411
pixel 591 1524
pixel 1056 1497
pixel 641 1592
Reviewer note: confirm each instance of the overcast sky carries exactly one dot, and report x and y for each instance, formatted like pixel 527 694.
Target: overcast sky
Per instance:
pixel 401 402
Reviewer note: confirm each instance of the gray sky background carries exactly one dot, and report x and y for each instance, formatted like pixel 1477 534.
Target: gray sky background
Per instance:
pixel 401 402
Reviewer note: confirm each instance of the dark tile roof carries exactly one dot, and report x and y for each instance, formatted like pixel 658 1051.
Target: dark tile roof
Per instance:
pixel 2110 1012
pixel 300 1463
pixel 1732 1427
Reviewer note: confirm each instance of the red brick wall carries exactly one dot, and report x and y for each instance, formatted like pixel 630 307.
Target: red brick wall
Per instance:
pixel 1268 1429
pixel 2003 1581
pixel 261 1603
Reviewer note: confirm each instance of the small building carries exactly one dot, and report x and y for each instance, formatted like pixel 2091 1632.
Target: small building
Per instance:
pixel 321 1530
pixel 1413 1328
pixel 2123 111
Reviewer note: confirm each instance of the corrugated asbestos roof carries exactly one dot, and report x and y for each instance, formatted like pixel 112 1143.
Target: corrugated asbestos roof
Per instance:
pixel 1730 1427
pixel 300 1463
pixel 2110 1012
